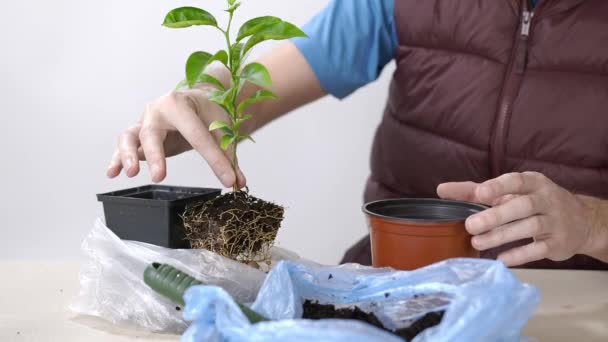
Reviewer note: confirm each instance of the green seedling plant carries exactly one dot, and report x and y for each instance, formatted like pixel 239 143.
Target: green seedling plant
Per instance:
pixel 233 57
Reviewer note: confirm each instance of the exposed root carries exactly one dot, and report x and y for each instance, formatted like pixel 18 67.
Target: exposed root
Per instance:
pixel 235 225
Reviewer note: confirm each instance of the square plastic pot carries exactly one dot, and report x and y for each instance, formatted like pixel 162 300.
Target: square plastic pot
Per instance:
pixel 151 213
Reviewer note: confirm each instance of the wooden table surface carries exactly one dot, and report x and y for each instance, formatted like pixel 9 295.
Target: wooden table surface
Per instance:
pixel 34 298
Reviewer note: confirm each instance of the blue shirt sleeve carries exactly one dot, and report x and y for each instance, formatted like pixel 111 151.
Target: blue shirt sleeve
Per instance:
pixel 349 43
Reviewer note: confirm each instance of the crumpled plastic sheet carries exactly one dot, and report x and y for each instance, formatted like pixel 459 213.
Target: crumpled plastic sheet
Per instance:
pixel 112 287
pixel 482 299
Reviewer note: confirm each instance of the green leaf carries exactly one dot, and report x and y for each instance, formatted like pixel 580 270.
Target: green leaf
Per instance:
pixel 198 61
pixel 206 78
pixel 182 84
pixel 221 56
pixel 226 141
pixel 239 122
pixel 245 118
pixel 256 73
pixel 231 2
pixel 233 7
pixel 279 31
pixel 258 96
pixel 236 53
pixel 245 136
pixel 195 65
pixel 255 25
pixel 218 97
pixel 217 125
pixel 214 94
pixel 188 16
pixel 221 98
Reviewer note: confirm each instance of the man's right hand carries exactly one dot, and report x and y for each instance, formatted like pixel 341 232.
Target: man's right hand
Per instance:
pixel 172 124
pixel 179 121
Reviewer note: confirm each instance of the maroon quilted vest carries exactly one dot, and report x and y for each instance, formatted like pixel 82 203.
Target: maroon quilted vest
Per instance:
pixel 482 89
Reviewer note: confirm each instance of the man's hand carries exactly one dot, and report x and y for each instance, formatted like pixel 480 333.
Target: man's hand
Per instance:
pixel 529 205
pixel 179 121
pixel 174 123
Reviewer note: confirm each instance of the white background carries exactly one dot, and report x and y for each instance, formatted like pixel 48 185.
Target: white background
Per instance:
pixel 73 74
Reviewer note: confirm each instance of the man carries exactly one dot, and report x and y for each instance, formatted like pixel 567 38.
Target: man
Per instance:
pixel 499 102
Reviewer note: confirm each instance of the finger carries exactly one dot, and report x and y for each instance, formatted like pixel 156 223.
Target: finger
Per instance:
pixel 127 146
pixel 518 208
pixel 178 144
pixel 514 231
pixel 503 199
pixel 152 142
pixel 458 191
pixel 240 176
pixel 510 183
pixel 140 154
pixel 198 135
pixel 241 180
pixel 534 251
pixel 115 165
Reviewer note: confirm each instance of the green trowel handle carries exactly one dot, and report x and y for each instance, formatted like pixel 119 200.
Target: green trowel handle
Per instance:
pixel 173 283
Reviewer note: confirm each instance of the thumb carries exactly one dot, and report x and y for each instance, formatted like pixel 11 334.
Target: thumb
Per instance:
pixel 458 191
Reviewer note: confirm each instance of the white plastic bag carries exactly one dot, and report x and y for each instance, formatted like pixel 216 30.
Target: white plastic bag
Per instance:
pixel 112 287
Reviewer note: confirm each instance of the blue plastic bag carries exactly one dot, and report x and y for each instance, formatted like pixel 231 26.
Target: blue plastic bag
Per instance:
pixel 482 299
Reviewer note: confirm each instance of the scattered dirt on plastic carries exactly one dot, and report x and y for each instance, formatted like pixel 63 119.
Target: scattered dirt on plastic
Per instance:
pixel 386 295
pixel 177 308
pixel 235 225
pixel 330 276
pixel 314 310
pixel 18 332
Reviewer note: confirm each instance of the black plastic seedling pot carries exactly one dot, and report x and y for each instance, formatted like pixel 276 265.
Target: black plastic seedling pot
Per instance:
pixel 151 213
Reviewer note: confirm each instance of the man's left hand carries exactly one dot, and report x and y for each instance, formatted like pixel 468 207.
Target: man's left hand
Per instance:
pixel 529 205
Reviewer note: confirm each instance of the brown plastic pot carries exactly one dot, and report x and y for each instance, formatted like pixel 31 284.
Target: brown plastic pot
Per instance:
pixel 410 233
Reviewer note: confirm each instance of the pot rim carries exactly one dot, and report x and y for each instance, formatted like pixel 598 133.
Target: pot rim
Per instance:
pixel 130 196
pixel 423 201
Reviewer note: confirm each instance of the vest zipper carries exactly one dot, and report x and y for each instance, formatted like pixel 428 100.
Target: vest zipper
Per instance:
pixel 522 55
pixel 511 86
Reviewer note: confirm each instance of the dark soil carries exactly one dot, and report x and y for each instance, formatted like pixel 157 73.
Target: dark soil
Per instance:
pixel 314 310
pixel 235 225
pixel 429 320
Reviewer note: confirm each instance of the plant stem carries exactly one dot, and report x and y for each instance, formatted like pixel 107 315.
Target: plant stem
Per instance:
pixel 234 83
pixel 235 164
pixel 227 35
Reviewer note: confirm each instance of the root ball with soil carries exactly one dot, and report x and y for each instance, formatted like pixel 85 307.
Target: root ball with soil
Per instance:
pixel 235 225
